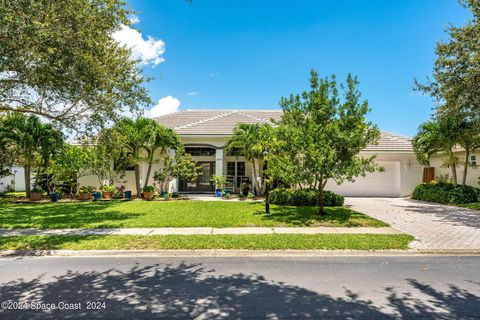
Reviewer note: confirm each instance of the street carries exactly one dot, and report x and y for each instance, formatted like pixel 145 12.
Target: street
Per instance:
pixel 247 287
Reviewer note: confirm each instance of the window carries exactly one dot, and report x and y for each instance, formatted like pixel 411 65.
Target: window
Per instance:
pixel 200 151
pixel 230 168
pixel 473 160
pixel 240 168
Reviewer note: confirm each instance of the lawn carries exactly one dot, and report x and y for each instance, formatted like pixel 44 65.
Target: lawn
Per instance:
pixel 147 214
pixel 473 205
pixel 252 241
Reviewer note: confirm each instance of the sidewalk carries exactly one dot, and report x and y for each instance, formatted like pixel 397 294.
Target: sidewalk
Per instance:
pixel 194 231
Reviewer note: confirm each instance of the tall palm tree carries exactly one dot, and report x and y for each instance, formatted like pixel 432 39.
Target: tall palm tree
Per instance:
pixel 162 139
pixel 31 142
pixel 437 136
pixel 251 141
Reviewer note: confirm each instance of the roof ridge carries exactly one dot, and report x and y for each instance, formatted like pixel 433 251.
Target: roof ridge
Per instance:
pixel 217 116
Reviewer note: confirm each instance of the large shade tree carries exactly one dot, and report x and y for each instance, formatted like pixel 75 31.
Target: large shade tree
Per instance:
pixel 321 133
pixel 58 60
pixel 30 142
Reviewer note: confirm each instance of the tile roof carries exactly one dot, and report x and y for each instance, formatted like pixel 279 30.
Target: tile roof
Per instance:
pixel 222 122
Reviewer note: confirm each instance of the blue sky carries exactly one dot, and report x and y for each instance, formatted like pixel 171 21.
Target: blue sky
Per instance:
pixel 247 54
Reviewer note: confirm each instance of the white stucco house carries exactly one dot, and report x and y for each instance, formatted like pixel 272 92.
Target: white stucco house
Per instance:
pixel 205 132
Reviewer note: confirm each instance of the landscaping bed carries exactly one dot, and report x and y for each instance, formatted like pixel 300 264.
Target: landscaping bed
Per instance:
pixel 145 214
pixel 252 242
pixel 445 193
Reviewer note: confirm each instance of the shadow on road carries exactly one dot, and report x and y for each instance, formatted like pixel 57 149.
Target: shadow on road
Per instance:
pixel 191 291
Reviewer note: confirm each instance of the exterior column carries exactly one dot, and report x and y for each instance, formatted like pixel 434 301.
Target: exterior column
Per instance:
pixel 219 162
pixel 174 184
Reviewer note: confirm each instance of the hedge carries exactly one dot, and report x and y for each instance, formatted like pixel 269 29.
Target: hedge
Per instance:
pixel 445 193
pixel 295 197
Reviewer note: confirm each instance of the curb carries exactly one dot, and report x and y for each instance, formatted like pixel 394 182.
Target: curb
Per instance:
pixel 236 253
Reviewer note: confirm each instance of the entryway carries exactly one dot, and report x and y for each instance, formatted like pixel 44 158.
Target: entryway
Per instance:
pixel 203 182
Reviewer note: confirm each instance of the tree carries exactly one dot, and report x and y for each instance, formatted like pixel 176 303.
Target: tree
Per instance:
pixel 181 166
pixel 162 139
pixel 321 134
pixel 58 60
pixel 251 141
pixel 31 143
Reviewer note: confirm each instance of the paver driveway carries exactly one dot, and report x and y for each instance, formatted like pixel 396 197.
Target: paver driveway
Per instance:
pixel 435 226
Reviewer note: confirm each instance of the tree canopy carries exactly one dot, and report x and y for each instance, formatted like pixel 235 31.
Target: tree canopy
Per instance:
pixel 58 60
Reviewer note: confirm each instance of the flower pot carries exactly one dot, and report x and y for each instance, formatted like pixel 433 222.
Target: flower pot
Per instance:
pixel 54 196
pixel 35 196
pixel 148 195
pixel 107 195
pixel 96 195
pixel 218 193
pixel 85 196
pixel 163 194
pixel 128 194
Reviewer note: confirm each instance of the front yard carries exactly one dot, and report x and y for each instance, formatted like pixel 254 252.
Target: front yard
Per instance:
pixel 145 214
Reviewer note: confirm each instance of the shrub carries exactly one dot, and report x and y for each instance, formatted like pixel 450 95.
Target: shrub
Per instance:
pixel 446 193
pixel 38 189
pixel 295 197
pixel 149 189
pixel 107 188
pixel 86 189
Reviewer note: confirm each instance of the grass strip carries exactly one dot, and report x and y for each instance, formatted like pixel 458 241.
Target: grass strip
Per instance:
pixel 251 241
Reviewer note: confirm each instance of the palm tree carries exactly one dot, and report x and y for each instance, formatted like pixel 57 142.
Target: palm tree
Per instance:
pixel 437 136
pixel 31 142
pixel 251 140
pixel 162 139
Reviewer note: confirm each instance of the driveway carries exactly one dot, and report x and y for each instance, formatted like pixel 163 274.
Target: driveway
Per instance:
pixel 435 226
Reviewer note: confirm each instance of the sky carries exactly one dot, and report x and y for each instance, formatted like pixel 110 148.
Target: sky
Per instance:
pixel 217 54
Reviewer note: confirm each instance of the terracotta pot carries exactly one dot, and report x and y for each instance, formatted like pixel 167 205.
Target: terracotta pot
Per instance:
pixel 35 196
pixel 148 195
pixel 85 196
pixel 107 195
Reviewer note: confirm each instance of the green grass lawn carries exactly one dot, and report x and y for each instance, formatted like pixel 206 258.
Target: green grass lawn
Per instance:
pixel 473 205
pixel 130 214
pixel 252 241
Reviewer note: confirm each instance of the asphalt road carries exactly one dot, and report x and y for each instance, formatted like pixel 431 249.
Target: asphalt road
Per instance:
pixel 241 288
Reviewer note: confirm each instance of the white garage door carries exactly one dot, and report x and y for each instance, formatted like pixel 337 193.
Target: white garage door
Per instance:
pixel 377 184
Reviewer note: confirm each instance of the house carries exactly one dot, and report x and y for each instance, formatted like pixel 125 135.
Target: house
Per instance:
pixel 205 132
pixel 15 181
pixel 440 164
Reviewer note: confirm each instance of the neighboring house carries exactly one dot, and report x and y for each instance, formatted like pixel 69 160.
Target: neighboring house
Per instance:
pixel 13 182
pixel 205 132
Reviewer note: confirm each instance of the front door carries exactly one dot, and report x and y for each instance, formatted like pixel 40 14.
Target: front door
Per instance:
pixel 203 183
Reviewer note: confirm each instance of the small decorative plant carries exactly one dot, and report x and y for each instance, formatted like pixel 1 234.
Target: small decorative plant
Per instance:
pixel 87 189
pixel 149 189
pixel 108 188
pixel 37 190
pixel 220 182
pixel 148 192
pixel 245 188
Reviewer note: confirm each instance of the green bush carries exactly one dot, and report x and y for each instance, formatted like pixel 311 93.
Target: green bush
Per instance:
pixel 445 193
pixel 294 197
pixel 149 189
pixel 87 189
pixel 107 188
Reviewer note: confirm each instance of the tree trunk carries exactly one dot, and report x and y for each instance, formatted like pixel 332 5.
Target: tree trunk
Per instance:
pixel 465 167
pixel 27 180
pixel 453 167
pixel 137 180
pixel 321 209
pixel 149 170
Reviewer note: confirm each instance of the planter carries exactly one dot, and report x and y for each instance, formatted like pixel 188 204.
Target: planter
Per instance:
pixel 107 195
pixel 96 195
pixel 54 197
pixel 128 194
pixel 218 193
pixel 35 196
pixel 163 194
pixel 148 195
pixel 85 196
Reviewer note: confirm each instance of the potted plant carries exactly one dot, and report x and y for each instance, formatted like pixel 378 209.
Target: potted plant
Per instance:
pixel 245 188
pixel 54 195
pixel 107 192
pixel 96 195
pixel 219 185
pixel 127 194
pixel 36 194
pixel 119 192
pixel 148 192
pixel 85 192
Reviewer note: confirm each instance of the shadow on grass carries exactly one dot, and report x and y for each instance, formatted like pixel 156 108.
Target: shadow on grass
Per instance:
pixel 63 215
pixel 188 291
pixel 304 216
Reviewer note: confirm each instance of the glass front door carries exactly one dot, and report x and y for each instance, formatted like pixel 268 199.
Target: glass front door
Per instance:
pixel 203 183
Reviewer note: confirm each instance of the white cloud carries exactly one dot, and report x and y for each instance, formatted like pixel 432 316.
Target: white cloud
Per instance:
pixel 134 19
pixel 193 93
pixel 148 51
pixel 164 106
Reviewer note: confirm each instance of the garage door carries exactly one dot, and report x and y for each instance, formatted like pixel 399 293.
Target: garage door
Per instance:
pixel 377 184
